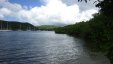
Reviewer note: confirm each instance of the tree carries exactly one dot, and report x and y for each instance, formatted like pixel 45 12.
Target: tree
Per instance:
pixel 106 6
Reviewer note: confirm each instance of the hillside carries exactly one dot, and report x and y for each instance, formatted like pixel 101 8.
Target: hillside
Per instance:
pixel 11 25
pixel 47 27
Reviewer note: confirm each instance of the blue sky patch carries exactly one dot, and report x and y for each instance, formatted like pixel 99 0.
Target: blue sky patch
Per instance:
pixel 28 3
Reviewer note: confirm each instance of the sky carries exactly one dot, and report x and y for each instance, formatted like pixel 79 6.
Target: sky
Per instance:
pixel 47 12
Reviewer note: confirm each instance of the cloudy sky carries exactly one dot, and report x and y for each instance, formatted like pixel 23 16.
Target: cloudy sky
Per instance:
pixel 46 12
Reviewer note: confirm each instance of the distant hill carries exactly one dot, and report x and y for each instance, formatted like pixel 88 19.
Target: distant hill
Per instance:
pixel 47 27
pixel 11 25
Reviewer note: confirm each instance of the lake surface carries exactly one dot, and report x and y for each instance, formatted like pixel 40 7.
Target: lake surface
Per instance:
pixel 45 47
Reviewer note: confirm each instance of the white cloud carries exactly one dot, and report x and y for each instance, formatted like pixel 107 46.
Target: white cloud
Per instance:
pixel 1 1
pixel 54 12
pixel 1 16
pixel 4 11
pixel 85 15
pixel 13 7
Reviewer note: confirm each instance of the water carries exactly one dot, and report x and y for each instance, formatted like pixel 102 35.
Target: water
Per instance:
pixel 44 47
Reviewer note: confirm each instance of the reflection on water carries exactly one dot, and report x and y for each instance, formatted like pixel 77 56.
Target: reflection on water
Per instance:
pixel 44 47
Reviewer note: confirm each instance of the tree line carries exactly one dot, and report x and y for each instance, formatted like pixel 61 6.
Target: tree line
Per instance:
pixel 11 25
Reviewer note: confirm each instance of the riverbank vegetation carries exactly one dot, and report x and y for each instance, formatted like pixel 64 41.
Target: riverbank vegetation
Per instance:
pixel 98 31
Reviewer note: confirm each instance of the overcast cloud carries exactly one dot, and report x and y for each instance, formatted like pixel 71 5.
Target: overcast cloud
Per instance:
pixel 54 12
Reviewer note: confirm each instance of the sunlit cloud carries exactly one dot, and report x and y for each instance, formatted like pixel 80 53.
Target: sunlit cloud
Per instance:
pixel 54 12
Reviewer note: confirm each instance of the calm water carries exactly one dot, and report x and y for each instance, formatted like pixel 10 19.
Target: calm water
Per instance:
pixel 44 47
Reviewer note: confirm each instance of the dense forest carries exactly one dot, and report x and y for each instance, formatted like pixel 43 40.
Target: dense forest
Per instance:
pixel 98 31
pixel 11 25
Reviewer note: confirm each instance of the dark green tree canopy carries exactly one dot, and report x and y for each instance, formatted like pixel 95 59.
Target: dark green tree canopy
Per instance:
pixel 106 7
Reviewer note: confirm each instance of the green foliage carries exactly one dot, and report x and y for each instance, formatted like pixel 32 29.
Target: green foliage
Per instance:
pixel 8 25
pixel 106 7
pixel 47 27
